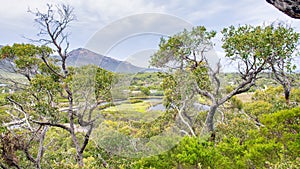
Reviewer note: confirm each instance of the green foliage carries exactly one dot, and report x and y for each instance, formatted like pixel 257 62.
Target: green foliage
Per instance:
pixel 243 144
pixel 248 41
pixel 145 91
pixel 264 133
pixel 104 80
pixel 174 49
pixel 271 100
pixel 142 79
pixel 258 108
pixel 163 160
pixel 25 56
pixel 236 103
pixel 263 48
pixel 201 76
pixel 41 98
pixel 195 151
pixel 271 94
pixel 95 81
pixel 169 86
pixel 229 88
pixel 182 54
pixel 4 117
pixel 260 41
pixel 3 100
pixel 236 127
pixel 158 125
pixel 284 127
pixel 295 95
pixel 133 101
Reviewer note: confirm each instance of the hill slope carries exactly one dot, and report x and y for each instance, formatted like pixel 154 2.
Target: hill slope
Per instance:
pixel 81 56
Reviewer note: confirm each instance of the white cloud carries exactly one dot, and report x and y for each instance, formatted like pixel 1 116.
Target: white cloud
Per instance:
pixel 135 26
pixel 107 11
pixel 95 14
pixel 141 58
pixel 206 10
pixel 91 14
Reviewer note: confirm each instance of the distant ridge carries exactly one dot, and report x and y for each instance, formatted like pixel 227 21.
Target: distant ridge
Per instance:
pixel 81 56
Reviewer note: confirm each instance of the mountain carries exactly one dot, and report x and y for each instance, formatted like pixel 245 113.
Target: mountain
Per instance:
pixel 81 56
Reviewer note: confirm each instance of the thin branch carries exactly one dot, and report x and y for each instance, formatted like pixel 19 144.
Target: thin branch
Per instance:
pixel 204 93
pixel 86 138
pixel 21 109
pixel 52 124
pixel 50 68
pixel 181 117
pixel 41 147
pixel 26 148
pixel 185 132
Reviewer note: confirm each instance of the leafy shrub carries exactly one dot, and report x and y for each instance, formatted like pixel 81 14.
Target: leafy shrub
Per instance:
pixel 258 108
pixel 236 103
pixel 133 101
pixel 145 91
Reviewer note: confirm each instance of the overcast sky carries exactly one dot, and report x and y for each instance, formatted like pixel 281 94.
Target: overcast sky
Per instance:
pixel 95 15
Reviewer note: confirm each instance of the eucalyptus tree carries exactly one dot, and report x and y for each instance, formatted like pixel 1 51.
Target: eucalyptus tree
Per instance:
pixel 182 58
pixel 282 41
pixel 186 54
pixel 52 94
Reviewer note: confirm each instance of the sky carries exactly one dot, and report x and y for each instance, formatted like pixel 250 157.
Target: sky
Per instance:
pixel 126 29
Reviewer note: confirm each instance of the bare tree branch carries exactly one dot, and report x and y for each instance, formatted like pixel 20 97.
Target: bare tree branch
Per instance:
pixel 181 117
pixel 52 124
